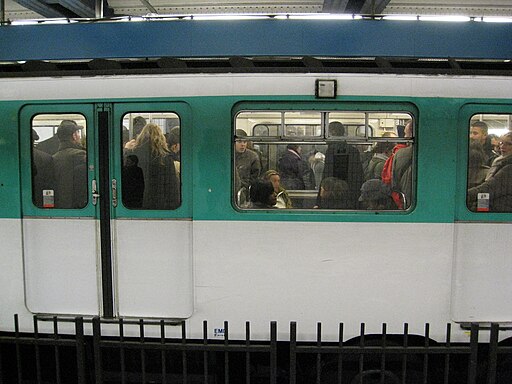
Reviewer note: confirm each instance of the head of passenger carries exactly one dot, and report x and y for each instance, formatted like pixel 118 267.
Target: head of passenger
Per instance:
pixel 506 144
pixel 383 147
pixel 174 140
pixel 153 135
pixel 131 161
pixel 334 193
pixel 69 132
pixel 376 195
pixel 336 129
pixel 408 130
pixel 476 156
pixel 241 141
pixel 138 125
pixel 478 132
pixel 294 147
pixel 35 136
pixel 389 134
pixel 262 194
pixel 273 176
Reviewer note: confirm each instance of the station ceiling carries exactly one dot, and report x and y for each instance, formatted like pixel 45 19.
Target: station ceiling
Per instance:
pixel 43 9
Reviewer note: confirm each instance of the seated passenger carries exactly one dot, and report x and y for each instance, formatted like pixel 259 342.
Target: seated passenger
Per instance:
pixel 262 195
pixel 334 194
pixel 376 195
pixel 498 182
pixel 283 200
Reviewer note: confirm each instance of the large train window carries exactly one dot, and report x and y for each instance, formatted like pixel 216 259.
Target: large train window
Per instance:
pixel 490 163
pixel 59 161
pixel 151 176
pixel 327 160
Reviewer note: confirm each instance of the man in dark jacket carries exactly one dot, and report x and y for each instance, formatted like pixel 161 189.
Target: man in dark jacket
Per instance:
pixel 70 167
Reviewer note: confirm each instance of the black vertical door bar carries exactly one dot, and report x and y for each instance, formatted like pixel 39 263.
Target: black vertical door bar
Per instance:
pixel 104 191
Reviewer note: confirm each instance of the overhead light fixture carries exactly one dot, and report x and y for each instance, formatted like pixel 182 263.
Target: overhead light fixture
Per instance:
pixel 445 18
pixel 497 19
pixel 401 17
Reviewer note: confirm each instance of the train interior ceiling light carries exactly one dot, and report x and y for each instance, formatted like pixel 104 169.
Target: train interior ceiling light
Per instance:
pixel 63 11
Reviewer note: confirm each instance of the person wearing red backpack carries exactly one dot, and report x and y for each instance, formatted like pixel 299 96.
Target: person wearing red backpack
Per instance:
pixel 397 171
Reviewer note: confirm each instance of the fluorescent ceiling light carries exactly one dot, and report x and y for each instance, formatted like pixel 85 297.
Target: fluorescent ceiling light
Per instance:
pixel 445 18
pixel 401 17
pixel 497 19
pixel 228 17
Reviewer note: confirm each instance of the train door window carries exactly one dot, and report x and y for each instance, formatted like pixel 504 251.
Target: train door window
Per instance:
pixel 323 160
pixel 59 161
pixel 151 175
pixel 490 163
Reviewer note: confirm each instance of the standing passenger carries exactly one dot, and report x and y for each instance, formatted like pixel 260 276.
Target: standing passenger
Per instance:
pixel 70 167
pixel 161 189
pixel 247 161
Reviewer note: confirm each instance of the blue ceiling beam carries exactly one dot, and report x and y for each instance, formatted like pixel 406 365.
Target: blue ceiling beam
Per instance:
pixel 267 37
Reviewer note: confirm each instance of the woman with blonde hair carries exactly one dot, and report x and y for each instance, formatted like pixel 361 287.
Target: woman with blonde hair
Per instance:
pixel 161 186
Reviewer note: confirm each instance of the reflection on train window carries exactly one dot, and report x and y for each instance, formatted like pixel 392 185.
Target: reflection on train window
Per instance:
pixel 151 175
pixel 59 161
pixel 323 160
pixel 490 163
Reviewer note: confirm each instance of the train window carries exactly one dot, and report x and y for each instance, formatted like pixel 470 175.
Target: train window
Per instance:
pixel 59 161
pixel 323 160
pixel 490 163
pixel 151 176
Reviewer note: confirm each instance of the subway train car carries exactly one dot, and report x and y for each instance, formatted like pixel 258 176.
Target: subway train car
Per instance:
pixel 129 187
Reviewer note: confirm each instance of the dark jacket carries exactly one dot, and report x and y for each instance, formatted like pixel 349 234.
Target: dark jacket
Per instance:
pixel 161 189
pixel 343 161
pixel 70 176
pixel 42 175
pixel 295 173
pixel 498 184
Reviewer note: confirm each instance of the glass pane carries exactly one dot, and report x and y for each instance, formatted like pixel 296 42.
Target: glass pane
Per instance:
pixel 151 175
pixel 323 160
pixel 59 161
pixel 303 124
pixel 490 163
pixel 259 123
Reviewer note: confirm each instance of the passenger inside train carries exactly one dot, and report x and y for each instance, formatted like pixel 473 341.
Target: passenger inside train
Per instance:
pixel 322 157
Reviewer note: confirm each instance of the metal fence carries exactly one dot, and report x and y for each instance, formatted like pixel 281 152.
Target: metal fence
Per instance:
pixel 78 358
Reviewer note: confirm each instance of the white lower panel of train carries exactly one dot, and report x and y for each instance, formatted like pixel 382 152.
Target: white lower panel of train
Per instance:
pixel 266 271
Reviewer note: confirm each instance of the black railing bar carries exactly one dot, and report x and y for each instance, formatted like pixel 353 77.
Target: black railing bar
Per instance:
pixel 184 367
pixel 446 377
pixel 98 369
pixel 18 352
pixel 36 350
pixel 142 351
pixel 122 355
pixel 273 352
pixel 383 354
pixel 205 353
pixel 248 353
pixel 493 354
pixel 340 356
pixel 163 359
pixel 318 355
pixel 226 353
pixel 33 341
pixel 404 356
pixel 127 321
pixel 426 355
pixel 56 350
pixel 80 352
pixel 293 353
pixel 361 355
pixel 473 357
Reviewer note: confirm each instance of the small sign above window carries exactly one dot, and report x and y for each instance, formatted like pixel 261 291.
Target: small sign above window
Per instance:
pixel 325 89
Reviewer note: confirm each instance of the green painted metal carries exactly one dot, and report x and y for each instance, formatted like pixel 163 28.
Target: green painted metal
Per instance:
pixel 206 132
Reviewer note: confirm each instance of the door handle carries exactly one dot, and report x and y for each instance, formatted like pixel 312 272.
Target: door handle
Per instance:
pixel 114 192
pixel 95 194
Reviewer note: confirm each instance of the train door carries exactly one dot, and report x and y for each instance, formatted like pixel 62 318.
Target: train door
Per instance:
pixel 106 218
pixel 482 267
